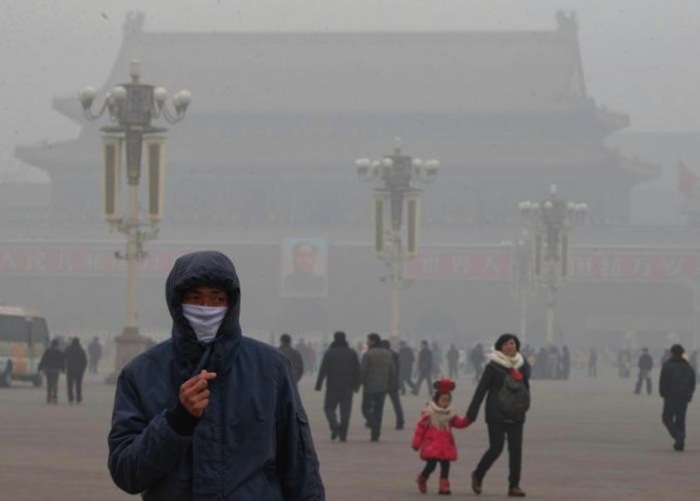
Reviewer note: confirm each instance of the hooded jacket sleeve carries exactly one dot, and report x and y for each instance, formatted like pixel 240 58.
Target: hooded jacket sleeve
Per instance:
pixel 141 451
pixel 297 463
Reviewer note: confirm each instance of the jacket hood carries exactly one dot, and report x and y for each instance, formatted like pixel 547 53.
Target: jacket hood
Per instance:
pixel 210 268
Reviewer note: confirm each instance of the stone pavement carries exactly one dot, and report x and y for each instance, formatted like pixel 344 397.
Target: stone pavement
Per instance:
pixel 585 439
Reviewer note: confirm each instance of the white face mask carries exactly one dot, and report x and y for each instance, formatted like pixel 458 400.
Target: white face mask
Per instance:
pixel 205 320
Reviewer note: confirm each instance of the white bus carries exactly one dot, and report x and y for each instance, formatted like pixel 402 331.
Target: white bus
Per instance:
pixel 23 338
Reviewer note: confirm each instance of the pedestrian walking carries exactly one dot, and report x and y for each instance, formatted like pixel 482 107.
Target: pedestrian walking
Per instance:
pixel 452 357
pixel 76 363
pixel 210 413
pixel 476 357
pixel 376 373
pixel 295 358
pixel 593 363
pixel 393 392
pixel 425 368
pixel 406 361
pixel 645 365
pixel 340 368
pixel 52 363
pixel 433 436
pixel 94 354
pixel 676 386
pixel 506 381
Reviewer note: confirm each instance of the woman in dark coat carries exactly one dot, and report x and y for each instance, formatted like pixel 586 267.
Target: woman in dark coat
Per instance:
pixel 505 361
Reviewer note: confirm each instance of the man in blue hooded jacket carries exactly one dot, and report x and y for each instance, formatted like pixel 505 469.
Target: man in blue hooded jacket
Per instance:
pixel 210 414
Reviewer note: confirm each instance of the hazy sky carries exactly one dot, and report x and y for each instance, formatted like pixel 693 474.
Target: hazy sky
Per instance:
pixel 639 56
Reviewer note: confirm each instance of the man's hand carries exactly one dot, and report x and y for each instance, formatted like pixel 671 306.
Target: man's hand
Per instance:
pixel 194 393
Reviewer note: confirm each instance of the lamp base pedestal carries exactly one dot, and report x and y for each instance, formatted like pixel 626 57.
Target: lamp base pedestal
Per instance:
pixel 127 345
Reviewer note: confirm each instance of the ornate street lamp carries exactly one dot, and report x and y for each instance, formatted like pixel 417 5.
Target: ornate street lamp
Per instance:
pixel 550 222
pixel 131 107
pixel 395 177
pixel 522 279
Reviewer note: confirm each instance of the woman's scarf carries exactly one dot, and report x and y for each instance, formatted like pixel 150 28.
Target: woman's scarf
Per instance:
pixel 439 417
pixel 505 361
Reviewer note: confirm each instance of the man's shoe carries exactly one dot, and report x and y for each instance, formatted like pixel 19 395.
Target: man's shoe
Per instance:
pixel 679 445
pixel 516 492
pixel 399 426
pixel 476 484
pixel 334 433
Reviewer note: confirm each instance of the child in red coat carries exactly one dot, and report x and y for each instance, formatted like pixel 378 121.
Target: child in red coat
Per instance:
pixel 433 435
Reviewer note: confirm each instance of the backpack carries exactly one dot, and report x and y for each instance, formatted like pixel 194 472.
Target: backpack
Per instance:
pixel 513 397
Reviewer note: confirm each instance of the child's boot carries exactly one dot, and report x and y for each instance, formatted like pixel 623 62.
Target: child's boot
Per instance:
pixel 444 486
pixel 422 483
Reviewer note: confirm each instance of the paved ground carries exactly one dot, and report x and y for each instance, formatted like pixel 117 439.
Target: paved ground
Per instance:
pixel 584 439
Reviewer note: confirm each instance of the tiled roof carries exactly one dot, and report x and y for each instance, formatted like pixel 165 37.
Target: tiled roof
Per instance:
pixel 362 72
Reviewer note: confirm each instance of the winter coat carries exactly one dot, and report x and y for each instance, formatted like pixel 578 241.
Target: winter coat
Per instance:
pixel 295 360
pixel 377 370
pixel 436 443
pixel 253 441
pixel 491 381
pixel 425 361
pixel 53 360
pixel 677 380
pixel 340 368
pixel 76 359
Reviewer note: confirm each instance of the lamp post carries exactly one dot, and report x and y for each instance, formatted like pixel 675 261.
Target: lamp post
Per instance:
pixel 131 107
pixel 551 221
pixel 395 177
pixel 522 280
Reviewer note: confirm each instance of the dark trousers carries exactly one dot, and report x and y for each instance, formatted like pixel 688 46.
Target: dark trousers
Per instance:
pixel 497 436
pixel 52 385
pixel 673 417
pixel 338 399
pixel 405 380
pixel 372 410
pixel 430 467
pixel 428 380
pixel 644 375
pixel 396 404
pixel 74 381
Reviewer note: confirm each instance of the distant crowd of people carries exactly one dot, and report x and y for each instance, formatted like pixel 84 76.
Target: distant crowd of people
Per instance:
pixel 71 360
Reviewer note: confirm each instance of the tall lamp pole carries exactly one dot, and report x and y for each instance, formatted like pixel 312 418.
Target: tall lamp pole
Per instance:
pixel 131 107
pixel 551 221
pixel 522 279
pixel 395 177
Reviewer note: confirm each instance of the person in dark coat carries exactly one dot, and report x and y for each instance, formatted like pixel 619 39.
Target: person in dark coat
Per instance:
pixel 425 368
pixel 295 358
pixel 393 392
pixel 340 368
pixel 676 386
pixel 406 361
pixel 476 357
pixel 645 365
pixel 76 363
pixel 52 363
pixel 452 357
pixel 210 413
pixel 504 360
pixel 376 374
pixel 94 354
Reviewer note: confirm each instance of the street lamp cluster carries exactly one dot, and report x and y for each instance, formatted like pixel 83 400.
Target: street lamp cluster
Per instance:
pixel 396 177
pixel 549 223
pixel 131 107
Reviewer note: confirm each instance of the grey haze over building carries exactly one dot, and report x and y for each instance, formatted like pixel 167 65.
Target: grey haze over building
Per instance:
pixel 637 55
